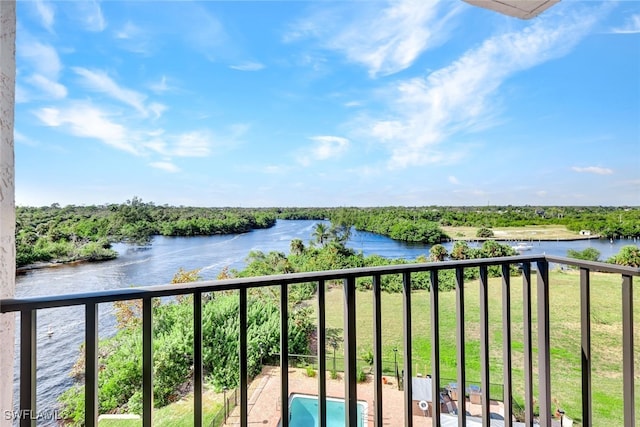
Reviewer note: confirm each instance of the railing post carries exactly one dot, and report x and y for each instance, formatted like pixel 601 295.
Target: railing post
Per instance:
pixel 460 356
pixel 528 343
pixel 350 363
pixel 28 358
pixel 244 378
pixel 322 356
pixel 197 359
pixel 377 350
pixel 484 345
pixel 435 348
pixel 627 351
pixel 284 355
pixel 585 335
pixel 544 354
pixel 91 366
pixel 406 378
pixel 506 342
pixel 147 362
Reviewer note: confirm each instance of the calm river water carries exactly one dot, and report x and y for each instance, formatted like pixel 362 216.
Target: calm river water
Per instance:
pixel 158 263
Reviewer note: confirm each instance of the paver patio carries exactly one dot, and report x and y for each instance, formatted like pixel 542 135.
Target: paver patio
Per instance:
pixel 264 399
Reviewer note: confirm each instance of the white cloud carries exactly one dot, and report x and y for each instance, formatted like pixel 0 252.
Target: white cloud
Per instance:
pixel 86 121
pixel 46 13
pixel 328 147
pixel 459 97
pixel 452 179
pixel 248 66
pixel 165 166
pixel 384 39
pixel 593 169
pixel 47 87
pixel 631 25
pixel 99 81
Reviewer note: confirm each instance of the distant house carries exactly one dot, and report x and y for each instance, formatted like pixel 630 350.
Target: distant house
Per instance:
pixel 585 233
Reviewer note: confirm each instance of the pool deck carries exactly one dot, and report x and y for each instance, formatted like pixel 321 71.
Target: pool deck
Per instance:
pixel 264 399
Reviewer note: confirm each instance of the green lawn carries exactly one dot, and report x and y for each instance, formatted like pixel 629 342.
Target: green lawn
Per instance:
pixel 564 304
pixel 177 414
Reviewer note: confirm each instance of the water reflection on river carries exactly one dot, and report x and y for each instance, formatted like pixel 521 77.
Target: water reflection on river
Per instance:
pixel 158 263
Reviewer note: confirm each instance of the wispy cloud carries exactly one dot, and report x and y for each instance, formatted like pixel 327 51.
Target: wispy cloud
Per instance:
pixel 384 39
pixel 325 147
pixel 89 13
pixel 161 86
pixel 328 147
pixel 452 179
pixel 631 25
pixel 41 57
pixel 52 89
pixel 593 169
pixel 86 121
pixel 248 66
pixel 132 38
pixel 40 71
pixel 99 81
pixel 46 13
pixel 165 166
pixel 459 98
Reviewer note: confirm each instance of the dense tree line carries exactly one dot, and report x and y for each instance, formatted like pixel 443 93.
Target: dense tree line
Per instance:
pixel 87 232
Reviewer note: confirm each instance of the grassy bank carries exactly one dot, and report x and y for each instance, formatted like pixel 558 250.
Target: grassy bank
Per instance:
pixel 564 307
pixel 531 232
pixel 177 414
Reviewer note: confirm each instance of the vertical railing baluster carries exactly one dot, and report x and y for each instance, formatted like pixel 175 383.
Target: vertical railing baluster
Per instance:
pixel 284 355
pixel 544 355
pixel 585 335
pixel 28 358
pixel 377 350
pixel 484 345
pixel 244 377
pixel 627 351
pixel 322 356
pixel 460 356
pixel 197 359
pixel 435 349
pixel 91 407
pixel 527 320
pixel 506 342
pixel 350 362
pixel 406 378
pixel 147 362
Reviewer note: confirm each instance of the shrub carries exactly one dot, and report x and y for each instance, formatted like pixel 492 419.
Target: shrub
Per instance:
pixel 484 233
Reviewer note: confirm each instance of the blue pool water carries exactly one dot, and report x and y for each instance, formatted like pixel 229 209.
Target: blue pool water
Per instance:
pixel 303 411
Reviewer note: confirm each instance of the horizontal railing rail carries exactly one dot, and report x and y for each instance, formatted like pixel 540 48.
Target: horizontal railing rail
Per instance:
pixel 27 307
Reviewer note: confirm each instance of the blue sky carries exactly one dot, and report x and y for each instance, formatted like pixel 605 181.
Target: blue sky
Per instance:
pixel 346 103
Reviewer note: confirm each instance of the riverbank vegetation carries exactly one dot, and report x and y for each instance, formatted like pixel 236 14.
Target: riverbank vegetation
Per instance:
pixel 86 233
pixel 120 356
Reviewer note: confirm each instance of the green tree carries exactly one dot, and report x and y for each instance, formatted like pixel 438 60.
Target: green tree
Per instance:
pixel 588 254
pixel 629 255
pixel 438 252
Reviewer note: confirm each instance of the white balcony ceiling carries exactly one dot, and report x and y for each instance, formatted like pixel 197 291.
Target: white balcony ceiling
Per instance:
pixel 524 9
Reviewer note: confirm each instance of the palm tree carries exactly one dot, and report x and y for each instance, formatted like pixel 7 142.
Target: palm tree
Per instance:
pixel 321 234
pixel 296 247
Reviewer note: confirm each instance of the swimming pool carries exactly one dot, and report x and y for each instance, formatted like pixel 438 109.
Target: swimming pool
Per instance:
pixel 303 411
